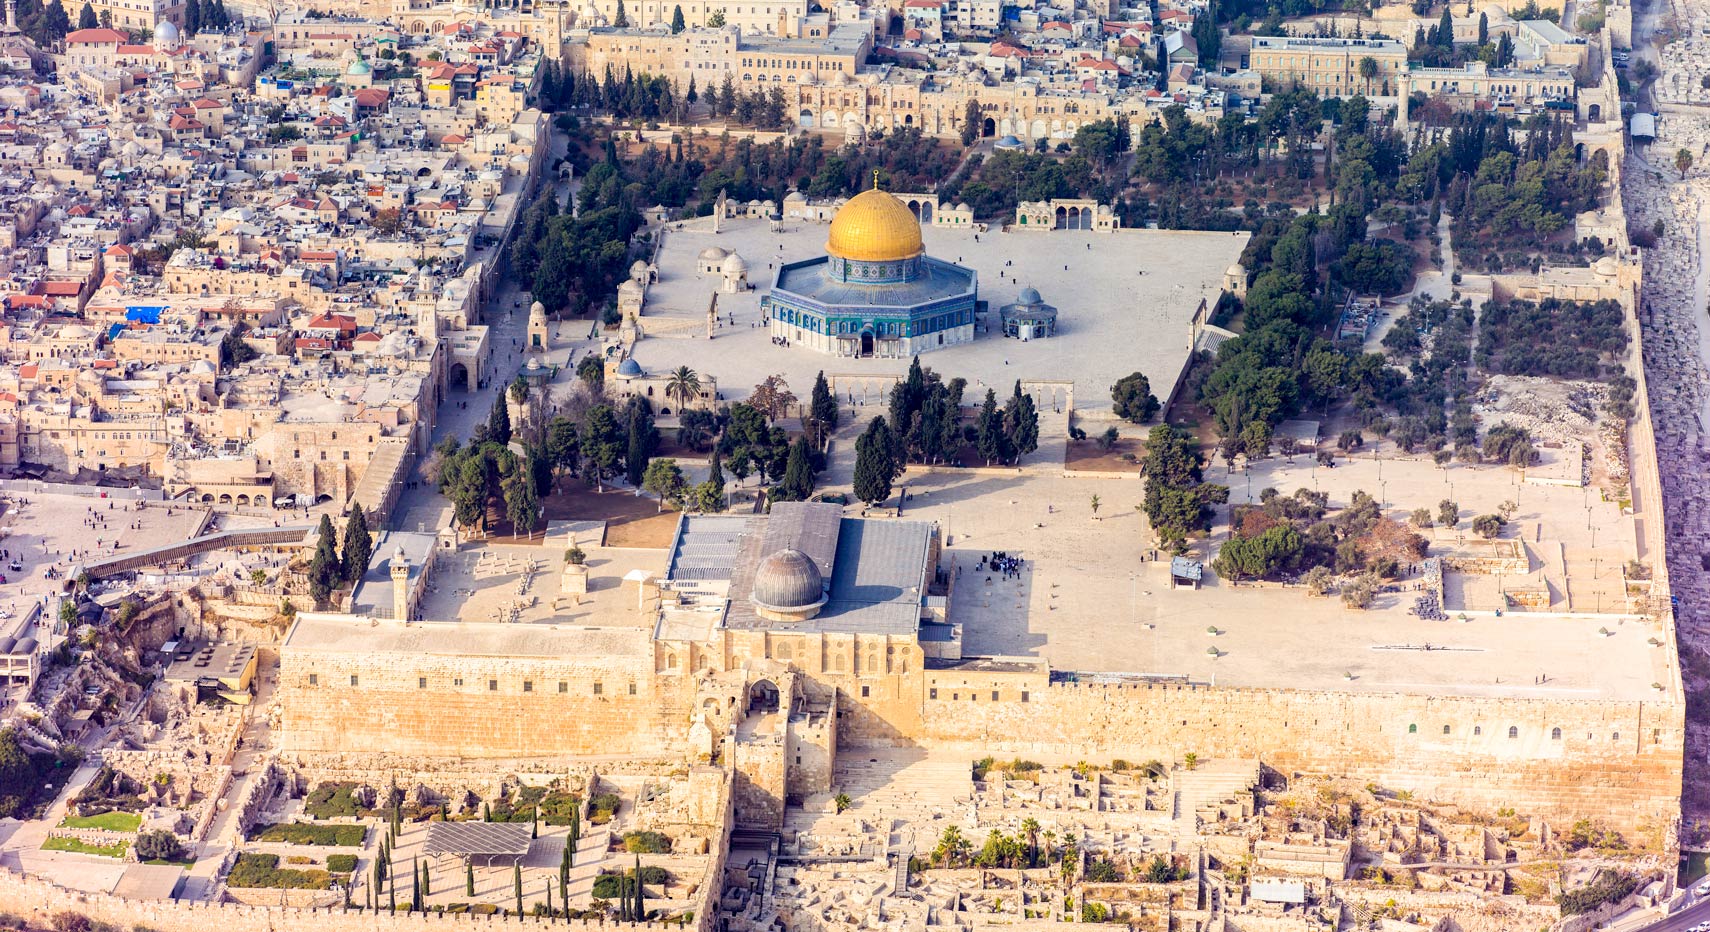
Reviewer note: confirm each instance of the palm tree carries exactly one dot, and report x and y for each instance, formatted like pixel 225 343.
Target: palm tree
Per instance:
pixel 683 386
pixel 1030 828
pixel 1368 71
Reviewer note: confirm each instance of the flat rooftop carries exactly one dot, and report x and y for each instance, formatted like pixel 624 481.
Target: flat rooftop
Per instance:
pixel 316 633
pixel 1125 303
pixel 522 584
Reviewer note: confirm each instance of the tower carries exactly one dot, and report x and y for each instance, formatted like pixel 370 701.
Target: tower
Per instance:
pixel 400 585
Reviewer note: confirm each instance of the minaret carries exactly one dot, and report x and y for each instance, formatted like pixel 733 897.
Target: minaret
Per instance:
pixel 400 585
pixel 11 15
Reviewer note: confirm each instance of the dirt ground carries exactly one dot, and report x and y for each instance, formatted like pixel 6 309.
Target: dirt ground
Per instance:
pixel 631 520
pixel 1087 455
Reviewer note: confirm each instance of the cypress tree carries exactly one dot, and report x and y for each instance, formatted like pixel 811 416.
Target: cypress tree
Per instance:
pixel 549 896
pixel 874 468
pixel 575 836
pixel 564 869
pixel 415 886
pixel 427 882
pixel 499 422
pixel 640 892
pixel 325 568
pixel 469 879
pixel 516 879
pixel 989 430
pixel 822 411
pixel 677 24
pixel 798 473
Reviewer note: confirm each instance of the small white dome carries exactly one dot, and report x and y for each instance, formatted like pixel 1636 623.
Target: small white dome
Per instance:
pixel 734 265
pixel 166 34
pixel 712 253
pixel 537 310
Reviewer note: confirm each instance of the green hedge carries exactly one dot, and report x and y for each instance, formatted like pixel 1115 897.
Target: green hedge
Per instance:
pixel 304 833
pixel 263 871
pixel 341 863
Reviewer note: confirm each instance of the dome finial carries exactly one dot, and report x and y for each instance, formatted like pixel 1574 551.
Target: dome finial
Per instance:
pixel 875 179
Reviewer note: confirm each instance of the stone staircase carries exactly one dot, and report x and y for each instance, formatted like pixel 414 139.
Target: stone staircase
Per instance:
pixel 1207 784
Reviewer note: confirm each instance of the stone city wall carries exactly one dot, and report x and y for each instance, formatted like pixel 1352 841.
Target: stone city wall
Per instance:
pixel 1616 761
pixel 26 900
pixel 480 707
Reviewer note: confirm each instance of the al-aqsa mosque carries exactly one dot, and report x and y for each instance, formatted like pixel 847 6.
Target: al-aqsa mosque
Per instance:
pixel 875 292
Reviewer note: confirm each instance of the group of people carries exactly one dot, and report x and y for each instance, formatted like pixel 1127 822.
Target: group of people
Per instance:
pixel 1003 563
pixel 780 341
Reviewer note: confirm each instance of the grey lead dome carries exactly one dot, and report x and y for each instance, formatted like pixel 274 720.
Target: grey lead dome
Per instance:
pixel 788 581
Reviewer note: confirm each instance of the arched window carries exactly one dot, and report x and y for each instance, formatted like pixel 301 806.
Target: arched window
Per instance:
pixel 1555 734
pixel 1513 732
pixel 1445 729
pixel 1477 730
pixel 1413 729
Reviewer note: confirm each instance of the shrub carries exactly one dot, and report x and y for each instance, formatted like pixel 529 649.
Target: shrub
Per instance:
pixel 1607 887
pixel 607 886
pixel 304 833
pixel 1488 526
pixel 341 863
pixel 331 801
pixel 263 871
pixel 646 843
pixel 161 846
pixel 602 807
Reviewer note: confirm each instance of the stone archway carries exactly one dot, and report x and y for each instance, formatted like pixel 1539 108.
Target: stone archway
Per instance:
pixel 805 119
pixel 763 696
pixel 988 129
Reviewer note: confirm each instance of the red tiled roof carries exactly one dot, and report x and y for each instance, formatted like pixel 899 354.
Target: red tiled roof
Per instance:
pixel 95 37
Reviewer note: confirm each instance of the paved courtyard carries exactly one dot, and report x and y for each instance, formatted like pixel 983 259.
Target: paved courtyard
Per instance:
pixel 1126 304
pixel 1085 600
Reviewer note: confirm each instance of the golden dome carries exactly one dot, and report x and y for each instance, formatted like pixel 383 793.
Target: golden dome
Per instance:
pixel 874 227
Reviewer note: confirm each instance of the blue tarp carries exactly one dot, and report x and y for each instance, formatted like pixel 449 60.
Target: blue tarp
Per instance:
pixel 143 314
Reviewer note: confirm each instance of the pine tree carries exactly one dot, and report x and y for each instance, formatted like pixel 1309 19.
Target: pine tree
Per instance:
pixel 798 473
pixel 86 18
pixel 325 568
pixel 499 422
pixel 358 545
pixel 677 24
pixel 726 97
pixel 1445 29
pixel 874 467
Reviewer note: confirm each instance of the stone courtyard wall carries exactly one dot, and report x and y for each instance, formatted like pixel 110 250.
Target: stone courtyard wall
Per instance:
pixel 37 902
pixel 1615 761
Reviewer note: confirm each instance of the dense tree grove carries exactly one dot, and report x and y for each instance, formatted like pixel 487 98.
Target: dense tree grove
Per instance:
pixel 1587 338
pixel 1283 536
pixel 1177 503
